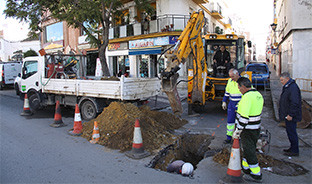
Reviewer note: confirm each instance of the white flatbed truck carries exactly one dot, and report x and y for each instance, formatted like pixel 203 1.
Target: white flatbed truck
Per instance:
pixel 45 79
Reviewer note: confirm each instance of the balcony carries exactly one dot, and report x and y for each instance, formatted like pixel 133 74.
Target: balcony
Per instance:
pixel 164 23
pixel 216 14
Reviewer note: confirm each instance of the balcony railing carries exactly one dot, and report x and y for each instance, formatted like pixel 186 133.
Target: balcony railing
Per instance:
pixel 162 23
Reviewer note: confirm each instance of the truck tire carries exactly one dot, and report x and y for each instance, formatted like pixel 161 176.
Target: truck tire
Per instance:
pixel 34 101
pixel 17 91
pixel 88 110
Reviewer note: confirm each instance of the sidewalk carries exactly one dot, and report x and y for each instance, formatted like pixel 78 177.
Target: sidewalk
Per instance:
pixel 276 90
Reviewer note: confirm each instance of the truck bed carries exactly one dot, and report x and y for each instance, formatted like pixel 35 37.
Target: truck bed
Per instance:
pixel 125 89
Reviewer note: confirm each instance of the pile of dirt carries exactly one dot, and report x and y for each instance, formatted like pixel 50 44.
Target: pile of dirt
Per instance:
pixel 279 167
pixel 116 125
pixel 113 78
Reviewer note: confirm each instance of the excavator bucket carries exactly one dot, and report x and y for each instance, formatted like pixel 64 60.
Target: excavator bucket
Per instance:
pixel 169 86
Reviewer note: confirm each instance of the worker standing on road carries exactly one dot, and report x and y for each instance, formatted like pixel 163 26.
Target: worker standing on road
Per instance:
pixel 248 121
pixel 181 167
pixel 290 111
pixel 233 95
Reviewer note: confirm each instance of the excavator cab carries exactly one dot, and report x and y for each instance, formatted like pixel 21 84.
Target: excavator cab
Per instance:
pixel 218 75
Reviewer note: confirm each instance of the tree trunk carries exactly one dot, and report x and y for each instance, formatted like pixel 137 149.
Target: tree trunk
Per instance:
pixel 102 57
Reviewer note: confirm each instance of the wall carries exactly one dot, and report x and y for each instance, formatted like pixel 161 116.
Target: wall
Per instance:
pixel 7 47
pixel 302 54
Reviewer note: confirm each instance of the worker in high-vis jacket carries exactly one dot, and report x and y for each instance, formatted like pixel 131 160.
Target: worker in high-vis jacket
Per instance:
pixel 248 121
pixel 233 95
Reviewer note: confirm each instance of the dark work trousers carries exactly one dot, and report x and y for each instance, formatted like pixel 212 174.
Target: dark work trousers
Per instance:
pixel 291 129
pixel 249 140
pixel 231 115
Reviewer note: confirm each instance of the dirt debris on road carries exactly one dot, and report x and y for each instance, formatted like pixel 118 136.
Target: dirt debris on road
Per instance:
pixel 116 125
pixel 279 167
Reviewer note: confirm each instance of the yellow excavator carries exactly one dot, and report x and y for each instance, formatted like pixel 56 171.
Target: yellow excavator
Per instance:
pixel 203 84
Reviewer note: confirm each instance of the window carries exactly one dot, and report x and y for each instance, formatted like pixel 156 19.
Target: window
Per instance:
pixel 54 32
pixel 143 65
pixel 30 68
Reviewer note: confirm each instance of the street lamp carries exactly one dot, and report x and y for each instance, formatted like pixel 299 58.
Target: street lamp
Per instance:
pixel 273 26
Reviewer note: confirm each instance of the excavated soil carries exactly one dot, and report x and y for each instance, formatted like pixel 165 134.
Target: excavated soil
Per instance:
pixel 276 166
pixel 189 148
pixel 116 125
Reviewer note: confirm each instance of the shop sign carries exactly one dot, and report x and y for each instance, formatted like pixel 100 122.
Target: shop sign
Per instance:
pixel 148 42
pixel 173 39
pixel 117 46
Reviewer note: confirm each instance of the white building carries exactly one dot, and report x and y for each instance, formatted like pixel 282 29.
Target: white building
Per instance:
pixel 294 41
pixel 8 47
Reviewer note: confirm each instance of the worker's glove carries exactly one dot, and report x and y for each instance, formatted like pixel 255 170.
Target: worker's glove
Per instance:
pixel 236 133
pixel 224 105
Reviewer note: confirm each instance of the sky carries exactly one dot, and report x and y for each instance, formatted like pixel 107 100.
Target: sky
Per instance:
pixel 256 15
pixel 13 30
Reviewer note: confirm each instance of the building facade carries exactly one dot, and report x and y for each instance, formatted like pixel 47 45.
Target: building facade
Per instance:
pixel 137 40
pixel 292 41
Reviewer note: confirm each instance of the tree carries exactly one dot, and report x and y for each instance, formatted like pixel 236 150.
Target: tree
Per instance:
pixel 94 16
pixel 30 52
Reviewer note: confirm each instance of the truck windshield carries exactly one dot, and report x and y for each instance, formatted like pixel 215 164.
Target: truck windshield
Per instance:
pixel 30 68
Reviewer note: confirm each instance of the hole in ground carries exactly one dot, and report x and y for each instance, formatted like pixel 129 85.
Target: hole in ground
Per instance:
pixel 189 148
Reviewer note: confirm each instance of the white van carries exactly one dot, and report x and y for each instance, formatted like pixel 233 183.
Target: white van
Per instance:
pixel 8 72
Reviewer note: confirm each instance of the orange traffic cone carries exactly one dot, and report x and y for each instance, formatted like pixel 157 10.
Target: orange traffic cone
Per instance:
pixel 234 168
pixel 95 134
pixel 137 151
pixel 26 109
pixel 77 130
pixel 57 116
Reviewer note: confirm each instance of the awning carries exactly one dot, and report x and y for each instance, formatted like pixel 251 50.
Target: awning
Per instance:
pixel 152 50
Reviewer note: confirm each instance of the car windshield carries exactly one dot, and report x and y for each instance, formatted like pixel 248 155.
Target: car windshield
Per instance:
pixel 258 69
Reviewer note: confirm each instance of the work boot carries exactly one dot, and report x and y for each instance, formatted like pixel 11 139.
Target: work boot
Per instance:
pixel 291 154
pixel 246 171
pixel 287 150
pixel 253 178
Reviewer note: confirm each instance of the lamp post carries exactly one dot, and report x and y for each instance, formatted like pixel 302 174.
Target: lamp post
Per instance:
pixel 273 26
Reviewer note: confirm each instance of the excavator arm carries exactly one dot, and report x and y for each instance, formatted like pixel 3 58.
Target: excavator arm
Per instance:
pixel 189 42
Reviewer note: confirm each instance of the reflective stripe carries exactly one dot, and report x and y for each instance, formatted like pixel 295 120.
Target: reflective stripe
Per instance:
pixel 236 95
pixel 242 119
pixel 252 127
pixel 230 129
pixel 256 118
pixel 245 164
pixel 226 94
pixel 255 169
pixel 235 99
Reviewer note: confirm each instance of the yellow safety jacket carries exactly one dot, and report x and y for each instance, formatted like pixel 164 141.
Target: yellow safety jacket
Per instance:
pixel 249 110
pixel 232 92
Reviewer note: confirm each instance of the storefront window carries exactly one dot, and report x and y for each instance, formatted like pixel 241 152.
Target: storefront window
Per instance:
pixel 121 66
pixel 91 63
pixel 143 65
pixel 54 32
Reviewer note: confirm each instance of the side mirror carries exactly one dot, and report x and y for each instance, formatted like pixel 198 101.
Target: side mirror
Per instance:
pixel 19 74
pixel 249 44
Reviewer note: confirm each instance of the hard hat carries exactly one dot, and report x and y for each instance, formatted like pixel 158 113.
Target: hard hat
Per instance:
pixel 187 169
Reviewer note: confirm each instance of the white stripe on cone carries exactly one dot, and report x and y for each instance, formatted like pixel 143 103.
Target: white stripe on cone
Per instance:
pixel 77 117
pixel 26 103
pixel 137 139
pixel 234 163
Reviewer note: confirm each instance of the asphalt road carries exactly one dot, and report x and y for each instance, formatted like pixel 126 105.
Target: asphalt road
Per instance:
pixel 33 152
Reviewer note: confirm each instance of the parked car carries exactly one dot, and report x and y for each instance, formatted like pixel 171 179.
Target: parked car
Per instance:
pixel 8 73
pixel 260 74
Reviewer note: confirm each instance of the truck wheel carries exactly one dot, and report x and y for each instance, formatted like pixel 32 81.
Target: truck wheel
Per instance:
pixel 16 89
pixel 34 101
pixel 88 110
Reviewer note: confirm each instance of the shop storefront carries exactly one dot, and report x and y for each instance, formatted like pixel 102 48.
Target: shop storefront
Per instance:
pixel 118 59
pixel 146 54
